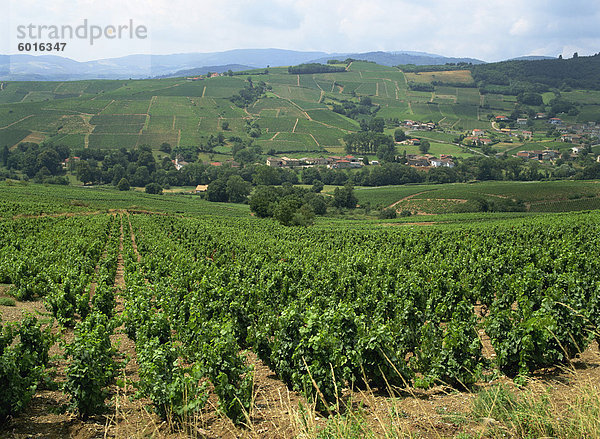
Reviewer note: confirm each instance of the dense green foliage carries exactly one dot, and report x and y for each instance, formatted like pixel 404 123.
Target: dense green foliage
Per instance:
pixel 335 305
pixel 303 69
pixel 577 72
pixel 250 94
pixel 399 296
pixel 22 363
pixel 91 365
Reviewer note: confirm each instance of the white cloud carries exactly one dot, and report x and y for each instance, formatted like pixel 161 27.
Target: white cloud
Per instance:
pixel 520 27
pixel 482 29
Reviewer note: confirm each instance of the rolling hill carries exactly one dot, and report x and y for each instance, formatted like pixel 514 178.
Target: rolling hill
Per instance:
pixel 23 67
pixel 298 115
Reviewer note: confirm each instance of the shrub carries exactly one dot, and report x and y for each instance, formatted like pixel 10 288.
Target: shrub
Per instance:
pixel 22 364
pixel 91 367
pixel 154 188
pixel 387 214
pixel 123 185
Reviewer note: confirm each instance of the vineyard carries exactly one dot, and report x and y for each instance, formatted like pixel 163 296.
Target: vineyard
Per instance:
pixel 206 301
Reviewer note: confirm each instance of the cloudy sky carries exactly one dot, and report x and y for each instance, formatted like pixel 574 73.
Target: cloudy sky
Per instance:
pixel 488 30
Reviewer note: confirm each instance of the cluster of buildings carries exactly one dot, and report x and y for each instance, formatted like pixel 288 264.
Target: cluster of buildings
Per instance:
pixel 201 77
pixel 545 155
pixel 429 161
pixel 477 137
pixel 332 162
pixel 422 126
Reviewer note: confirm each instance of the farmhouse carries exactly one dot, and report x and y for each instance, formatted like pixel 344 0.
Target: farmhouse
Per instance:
pixel 287 162
pixel 550 154
pixel 315 161
pixel 346 162
pixel 547 154
pixel 478 133
pixel 274 162
pixel 522 121
pixel 179 163
pixel 501 119
pixel 555 121
pixel 570 138
pixel 417 161
pixel 441 163
pixel 201 188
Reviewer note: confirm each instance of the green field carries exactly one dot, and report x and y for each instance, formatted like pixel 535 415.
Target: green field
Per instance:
pixel 553 196
pixel 296 109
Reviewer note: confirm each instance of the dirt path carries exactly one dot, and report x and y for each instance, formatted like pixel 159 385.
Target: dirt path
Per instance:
pixel 94 283
pixel 295 105
pixel 203 91
pixel 295 125
pixel 130 418
pixel 391 206
pixel 16 122
pixel 133 243
pixel 313 137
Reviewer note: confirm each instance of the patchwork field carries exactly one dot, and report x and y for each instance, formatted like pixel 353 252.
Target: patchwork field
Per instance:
pixel 552 196
pixel 295 114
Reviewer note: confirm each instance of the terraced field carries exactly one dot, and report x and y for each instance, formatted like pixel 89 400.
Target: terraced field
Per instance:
pixel 295 115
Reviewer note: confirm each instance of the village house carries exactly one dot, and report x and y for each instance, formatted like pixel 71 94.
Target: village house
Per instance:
pixel 540 115
pixel 417 161
pixel 441 163
pixel 274 162
pixel 413 125
pixel 547 154
pixel 70 162
pixel 501 119
pixel 527 134
pixel 521 121
pixel 287 162
pixel 550 154
pixel 555 121
pixel 578 149
pixel 570 138
pixel 179 163
pixel 315 161
pixel 201 188
pixel 478 133
pixel 346 162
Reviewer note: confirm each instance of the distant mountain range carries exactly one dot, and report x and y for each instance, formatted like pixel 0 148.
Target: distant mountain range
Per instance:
pixel 57 68
pixel 397 58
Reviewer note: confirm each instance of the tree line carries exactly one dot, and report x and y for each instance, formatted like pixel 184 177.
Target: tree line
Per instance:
pixel 309 68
